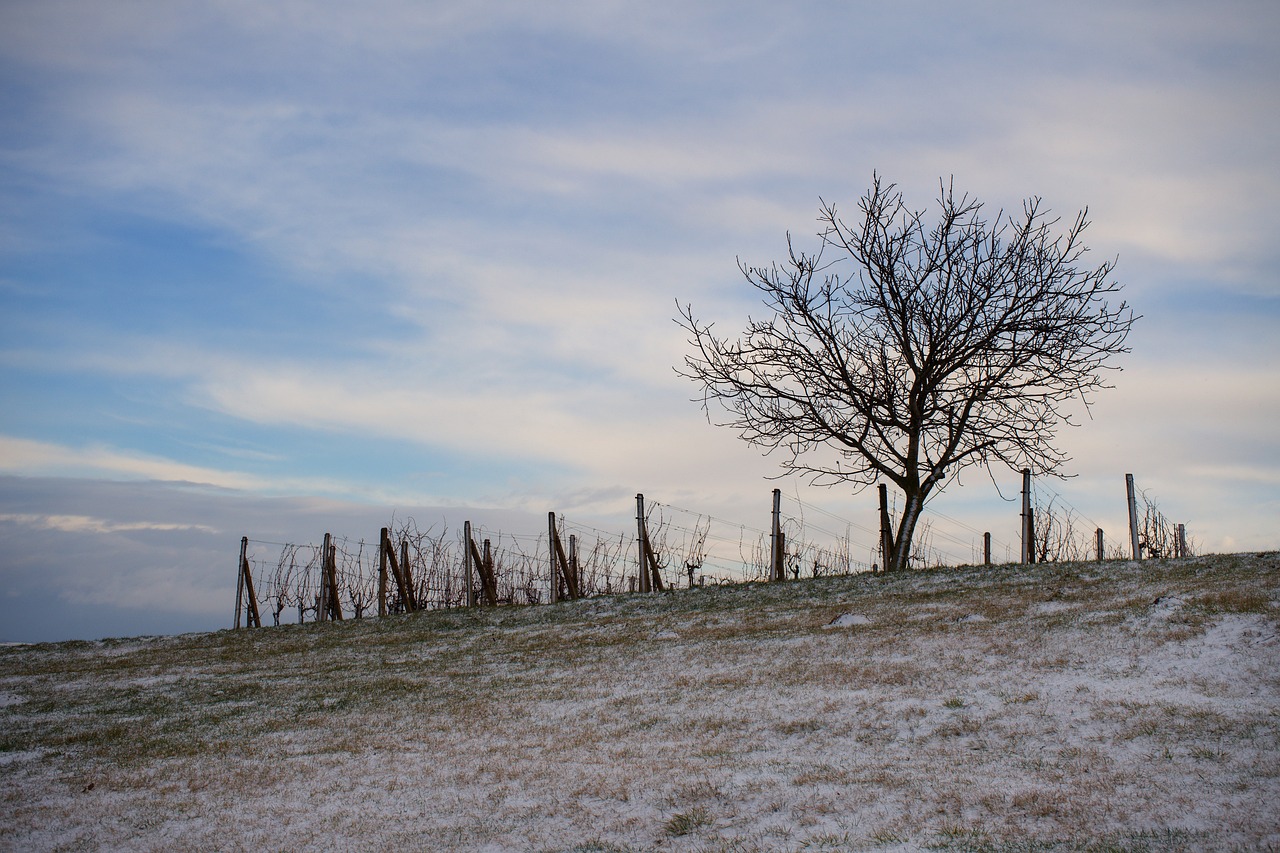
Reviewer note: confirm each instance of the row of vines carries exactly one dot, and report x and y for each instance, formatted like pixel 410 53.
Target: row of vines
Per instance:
pixel 290 582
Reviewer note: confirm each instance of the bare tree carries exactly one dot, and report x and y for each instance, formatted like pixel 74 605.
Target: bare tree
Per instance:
pixel 919 349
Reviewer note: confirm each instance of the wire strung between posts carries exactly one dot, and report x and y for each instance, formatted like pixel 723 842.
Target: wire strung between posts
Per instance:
pixel 1037 487
pixel 804 505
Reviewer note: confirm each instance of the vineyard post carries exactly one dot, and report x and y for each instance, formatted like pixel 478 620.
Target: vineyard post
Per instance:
pixel 642 539
pixel 1027 544
pixel 322 611
pixel 1099 535
pixel 468 569
pixel 488 583
pixel 1182 540
pixel 886 529
pixel 253 617
pixel 330 603
pixel 561 562
pixel 486 559
pixel 776 570
pixel 382 571
pixel 399 573
pixel 410 592
pixel 1133 517
pixel 551 554
pixel 1031 534
pixel 244 551
pixel 576 584
pixel 986 549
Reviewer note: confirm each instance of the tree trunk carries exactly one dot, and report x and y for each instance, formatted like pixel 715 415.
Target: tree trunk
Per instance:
pixel 906 530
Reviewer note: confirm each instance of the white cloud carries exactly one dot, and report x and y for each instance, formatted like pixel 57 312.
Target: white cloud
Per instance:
pixel 90 524
pixel 28 458
pixel 518 195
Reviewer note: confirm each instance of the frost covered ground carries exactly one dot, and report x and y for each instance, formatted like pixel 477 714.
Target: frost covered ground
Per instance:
pixel 1073 707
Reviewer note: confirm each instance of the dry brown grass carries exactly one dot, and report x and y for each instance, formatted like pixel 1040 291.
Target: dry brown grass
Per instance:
pixel 1141 701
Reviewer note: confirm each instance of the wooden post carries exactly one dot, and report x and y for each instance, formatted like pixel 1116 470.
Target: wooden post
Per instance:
pixel 410 593
pixel 886 530
pixel 468 569
pixel 654 577
pixel 1027 544
pixel 650 573
pixel 1181 544
pixel 561 568
pixel 575 577
pixel 398 572
pixel 255 618
pixel 552 540
pixel 488 583
pixel 486 560
pixel 1133 517
pixel 322 606
pixel 776 570
pixel 642 542
pixel 244 550
pixel 656 584
pixel 336 605
pixel 1099 535
pixel 382 572
pixel 330 603
pixel 1031 533
pixel 246 598
pixel 986 549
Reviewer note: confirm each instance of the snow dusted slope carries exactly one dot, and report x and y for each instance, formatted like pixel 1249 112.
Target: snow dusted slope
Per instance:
pixel 1076 706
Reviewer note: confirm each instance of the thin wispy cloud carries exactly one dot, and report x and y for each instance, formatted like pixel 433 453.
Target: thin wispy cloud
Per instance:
pixel 89 524
pixel 416 254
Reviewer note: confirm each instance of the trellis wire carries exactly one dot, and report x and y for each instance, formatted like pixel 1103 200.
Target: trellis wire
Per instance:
pixel 690 548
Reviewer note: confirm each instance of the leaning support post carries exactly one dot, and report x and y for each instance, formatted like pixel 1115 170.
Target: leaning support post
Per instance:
pixel 486 560
pixel 1028 545
pixel 397 572
pixel 244 551
pixel 468 568
pixel 255 618
pixel 655 580
pixel 246 598
pixel 642 545
pixel 650 571
pixel 488 584
pixel 777 572
pixel 410 593
pixel 560 561
pixel 1099 535
pixel 1133 517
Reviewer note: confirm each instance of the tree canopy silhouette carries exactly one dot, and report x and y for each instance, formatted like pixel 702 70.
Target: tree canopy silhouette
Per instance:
pixel 909 350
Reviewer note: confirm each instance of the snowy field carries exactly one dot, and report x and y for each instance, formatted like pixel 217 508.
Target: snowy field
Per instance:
pixel 1111 706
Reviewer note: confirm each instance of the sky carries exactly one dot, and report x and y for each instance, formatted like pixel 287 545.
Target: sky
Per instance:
pixel 272 269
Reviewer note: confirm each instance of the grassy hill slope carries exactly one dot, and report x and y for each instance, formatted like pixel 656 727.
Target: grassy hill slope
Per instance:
pixel 1074 706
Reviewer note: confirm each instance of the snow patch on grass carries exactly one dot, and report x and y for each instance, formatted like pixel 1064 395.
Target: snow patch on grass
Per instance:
pixel 1074 712
pixel 846 620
